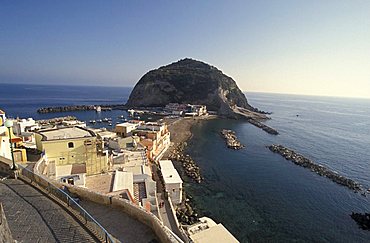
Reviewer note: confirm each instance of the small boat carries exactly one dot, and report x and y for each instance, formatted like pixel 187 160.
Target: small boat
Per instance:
pixel 121 116
pixel 99 121
pixel 105 120
pixel 109 119
pixel 92 121
pixel 110 124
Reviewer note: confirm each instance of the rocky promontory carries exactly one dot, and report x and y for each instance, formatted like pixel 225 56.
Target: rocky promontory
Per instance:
pixel 188 81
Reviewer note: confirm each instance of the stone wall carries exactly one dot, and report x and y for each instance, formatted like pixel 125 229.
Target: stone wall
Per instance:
pixel 5 234
pixel 134 211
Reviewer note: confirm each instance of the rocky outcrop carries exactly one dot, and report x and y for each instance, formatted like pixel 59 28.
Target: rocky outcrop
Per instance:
pixel 188 81
pixel 300 160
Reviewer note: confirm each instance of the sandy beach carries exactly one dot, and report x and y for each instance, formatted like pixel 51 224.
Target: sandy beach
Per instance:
pixel 180 129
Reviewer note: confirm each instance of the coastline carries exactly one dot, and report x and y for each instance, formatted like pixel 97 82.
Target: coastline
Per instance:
pixel 181 133
pixel 180 129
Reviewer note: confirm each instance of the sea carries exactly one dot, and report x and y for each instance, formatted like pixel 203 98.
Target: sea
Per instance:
pixel 256 194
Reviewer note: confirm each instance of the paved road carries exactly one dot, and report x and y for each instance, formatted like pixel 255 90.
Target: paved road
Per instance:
pixel 33 217
pixel 119 224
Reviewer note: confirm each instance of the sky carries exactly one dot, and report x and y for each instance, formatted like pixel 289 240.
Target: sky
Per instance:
pixel 316 47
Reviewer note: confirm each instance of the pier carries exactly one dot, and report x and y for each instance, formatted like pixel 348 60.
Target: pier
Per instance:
pixel 300 160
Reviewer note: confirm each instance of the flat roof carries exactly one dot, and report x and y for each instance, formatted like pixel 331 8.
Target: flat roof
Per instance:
pixel 216 233
pixel 169 173
pixel 126 124
pixel 65 133
pixel 123 180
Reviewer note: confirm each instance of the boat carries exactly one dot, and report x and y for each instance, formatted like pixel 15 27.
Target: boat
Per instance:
pixel 98 109
pixel 105 120
pixel 110 124
pixel 121 116
pixel 99 121
pixel 92 121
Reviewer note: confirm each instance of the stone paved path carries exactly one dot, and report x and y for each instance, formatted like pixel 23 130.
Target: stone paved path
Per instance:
pixel 33 217
pixel 119 224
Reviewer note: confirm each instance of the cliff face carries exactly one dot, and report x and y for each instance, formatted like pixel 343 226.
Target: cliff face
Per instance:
pixel 188 81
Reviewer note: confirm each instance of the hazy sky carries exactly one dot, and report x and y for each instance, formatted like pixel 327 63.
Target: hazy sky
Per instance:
pixel 306 47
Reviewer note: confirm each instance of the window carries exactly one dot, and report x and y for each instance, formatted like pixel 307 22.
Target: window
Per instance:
pixel 70 145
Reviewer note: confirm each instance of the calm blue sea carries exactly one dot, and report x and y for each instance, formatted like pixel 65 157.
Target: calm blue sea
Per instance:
pixel 23 101
pixel 261 197
pixel 257 195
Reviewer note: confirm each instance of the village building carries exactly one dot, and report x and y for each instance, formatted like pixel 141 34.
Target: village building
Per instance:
pixel 155 137
pixel 19 154
pixel 172 181
pixel 125 129
pixel 71 153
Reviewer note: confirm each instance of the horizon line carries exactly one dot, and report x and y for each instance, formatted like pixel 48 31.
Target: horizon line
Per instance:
pixel 244 91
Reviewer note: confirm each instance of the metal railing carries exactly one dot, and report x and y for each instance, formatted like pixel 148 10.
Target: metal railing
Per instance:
pixel 71 202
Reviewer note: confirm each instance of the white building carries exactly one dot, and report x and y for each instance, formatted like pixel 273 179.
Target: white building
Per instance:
pixel 172 181
pixel 24 125
pixel 74 174
pixel 4 139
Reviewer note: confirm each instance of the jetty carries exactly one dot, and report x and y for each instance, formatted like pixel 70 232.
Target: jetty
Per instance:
pixel 232 141
pixel 300 160
pixel 264 127
pixel 106 107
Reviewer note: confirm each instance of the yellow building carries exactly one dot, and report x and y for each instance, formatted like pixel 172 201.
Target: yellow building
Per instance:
pixel 69 146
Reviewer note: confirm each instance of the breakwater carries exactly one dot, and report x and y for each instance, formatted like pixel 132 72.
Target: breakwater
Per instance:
pixel 264 127
pixel 192 170
pixel 232 141
pixel 300 160
pixel 53 109
pixel 363 220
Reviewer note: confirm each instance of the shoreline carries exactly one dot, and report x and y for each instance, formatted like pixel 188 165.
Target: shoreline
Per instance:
pixel 181 133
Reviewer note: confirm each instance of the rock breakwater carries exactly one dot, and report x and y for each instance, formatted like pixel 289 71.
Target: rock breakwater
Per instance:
pixel 300 160
pixel 363 220
pixel 264 127
pixel 186 212
pixel 80 108
pixel 232 141
pixel 191 168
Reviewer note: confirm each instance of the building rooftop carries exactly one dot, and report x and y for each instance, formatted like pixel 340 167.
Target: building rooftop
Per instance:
pixel 207 231
pixel 216 233
pixel 65 133
pixel 126 124
pixel 170 174
pixel 123 180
